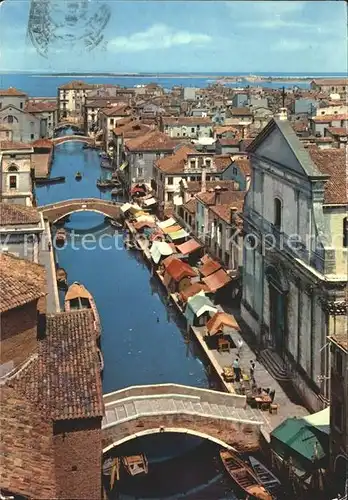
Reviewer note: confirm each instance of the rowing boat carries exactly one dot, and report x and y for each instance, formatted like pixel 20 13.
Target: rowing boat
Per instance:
pixel 78 297
pixel 136 464
pixel 268 479
pixel 244 477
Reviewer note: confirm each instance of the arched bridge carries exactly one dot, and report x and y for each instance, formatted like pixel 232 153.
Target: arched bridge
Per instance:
pixel 218 416
pixel 68 138
pixel 56 211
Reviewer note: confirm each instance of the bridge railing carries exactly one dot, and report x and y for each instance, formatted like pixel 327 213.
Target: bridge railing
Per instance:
pixel 77 201
pixel 205 395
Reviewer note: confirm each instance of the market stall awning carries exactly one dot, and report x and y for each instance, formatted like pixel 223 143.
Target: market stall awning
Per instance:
pixel 188 247
pixel 124 165
pixel 140 224
pixel 210 266
pixel 160 249
pixel 179 269
pixel 193 290
pixel 320 420
pixel 125 207
pixel 168 260
pixel 172 229
pixel 137 189
pixel 144 217
pixel 167 223
pixel 177 235
pixel 198 305
pixel 220 321
pixel 149 202
pixel 217 280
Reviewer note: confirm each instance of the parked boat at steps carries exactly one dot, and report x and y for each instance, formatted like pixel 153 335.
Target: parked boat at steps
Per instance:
pixel 136 464
pixel 78 297
pixel 268 479
pixel 244 477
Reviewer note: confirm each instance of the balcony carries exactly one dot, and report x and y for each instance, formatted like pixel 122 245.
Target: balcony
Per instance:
pixel 275 239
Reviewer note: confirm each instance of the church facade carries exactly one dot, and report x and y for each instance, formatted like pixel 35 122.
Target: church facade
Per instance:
pixel 295 257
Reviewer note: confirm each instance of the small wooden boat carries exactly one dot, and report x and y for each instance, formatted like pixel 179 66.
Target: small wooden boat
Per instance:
pixel 78 176
pixel 267 478
pixel 244 477
pixel 106 164
pixel 103 154
pixel 60 236
pixel 115 224
pixel 104 184
pixel 49 180
pixel 136 464
pixel 78 297
pixel 101 360
pixel 61 278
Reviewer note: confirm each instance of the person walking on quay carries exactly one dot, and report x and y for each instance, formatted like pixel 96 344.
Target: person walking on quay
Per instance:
pixel 240 344
pixel 236 369
pixel 252 371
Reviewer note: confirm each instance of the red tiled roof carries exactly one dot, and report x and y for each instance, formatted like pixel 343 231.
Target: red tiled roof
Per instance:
pixel 244 165
pixel 27 451
pixel 209 267
pixel 131 129
pixel 217 323
pixel 329 118
pixel 152 141
pixel 12 91
pixel 40 106
pixel 195 186
pixel 229 142
pixel 119 110
pixel 191 205
pixel 333 163
pixel 221 162
pixel 241 112
pixel 224 211
pixel 217 280
pixel 339 131
pixel 221 197
pixel 330 81
pixel 42 143
pixel 13 214
pixel 13 146
pixel 178 269
pixel 65 379
pixel 21 281
pixel 76 85
pixel 175 163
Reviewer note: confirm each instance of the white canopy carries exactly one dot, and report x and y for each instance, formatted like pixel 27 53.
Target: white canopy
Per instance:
pixel 149 201
pixel 159 249
pixel 125 207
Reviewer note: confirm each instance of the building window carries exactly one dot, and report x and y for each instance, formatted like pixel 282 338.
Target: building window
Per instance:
pixel 192 129
pixel 111 121
pixel 21 105
pixel 10 119
pixel 13 182
pixel 170 181
pixel 235 171
pixel 208 163
pixel 345 232
pixel 140 156
pixel 277 213
pixel 193 163
pixel 170 197
pixel 158 156
pixel 338 414
pixel 32 137
pixel 208 177
pixel 13 168
pixel 339 363
pixel 140 172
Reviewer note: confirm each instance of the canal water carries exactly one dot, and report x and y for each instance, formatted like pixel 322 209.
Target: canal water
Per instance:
pixel 143 338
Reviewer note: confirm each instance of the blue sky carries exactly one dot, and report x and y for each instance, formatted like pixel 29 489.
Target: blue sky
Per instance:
pixel 197 36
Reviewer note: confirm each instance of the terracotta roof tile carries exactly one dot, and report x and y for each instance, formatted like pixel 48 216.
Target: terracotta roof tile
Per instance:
pixel 178 269
pixel 222 197
pixel 224 211
pixel 40 106
pixel 329 118
pixel 244 165
pixel 222 162
pixel 339 131
pixel 191 205
pixel 241 112
pixel 131 128
pixel 174 163
pixel 13 146
pixel 65 379
pixel 229 142
pixel 27 455
pixel 76 85
pixel 21 281
pixel 12 91
pixel 209 267
pixel 333 163
pixel 152 141
pixel 13 214
pixel 195 186
pixel 42 143
pixel 217 280
pixel 193 290
pixel 122 109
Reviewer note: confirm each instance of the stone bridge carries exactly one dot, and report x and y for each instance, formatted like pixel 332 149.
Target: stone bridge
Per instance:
pixel 68 138
pixel 148 409
pixel 56 211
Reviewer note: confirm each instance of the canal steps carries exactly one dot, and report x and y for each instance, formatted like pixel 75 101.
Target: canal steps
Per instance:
pixel 130 408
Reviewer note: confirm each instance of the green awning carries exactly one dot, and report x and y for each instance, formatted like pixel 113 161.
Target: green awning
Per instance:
pixel 177 235
pixel 124 165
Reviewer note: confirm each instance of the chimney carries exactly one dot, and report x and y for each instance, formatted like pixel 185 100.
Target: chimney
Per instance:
pixel 217 191
pixel 283 114
pixel 204 179
pixel 233 215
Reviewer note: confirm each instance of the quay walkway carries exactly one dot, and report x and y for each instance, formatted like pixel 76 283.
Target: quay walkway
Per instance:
pixel 46 258
pixel 287 406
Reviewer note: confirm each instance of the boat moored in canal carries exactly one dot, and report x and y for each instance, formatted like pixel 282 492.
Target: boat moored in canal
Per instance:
pixel 49 180
pixel 268 479
pixel 136 464
pixel 115 224
pixel 244 477
pixel 78 297
pixel 116 191
pixel 78 176
pixel 60 237
pixel 101 361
